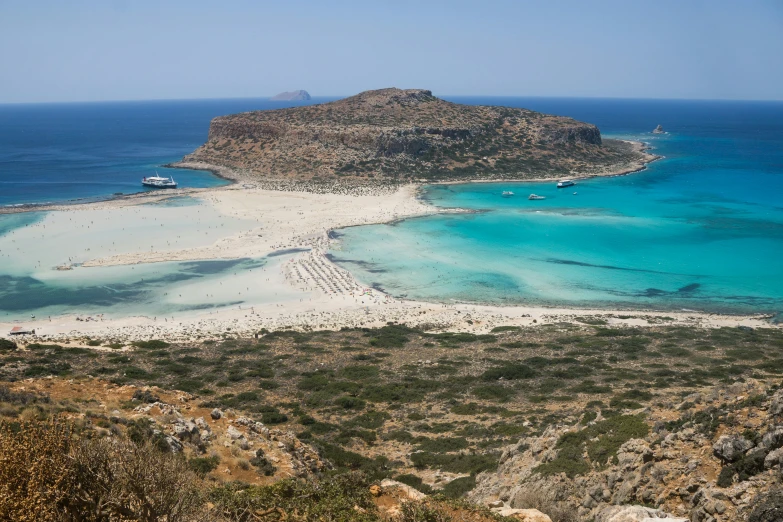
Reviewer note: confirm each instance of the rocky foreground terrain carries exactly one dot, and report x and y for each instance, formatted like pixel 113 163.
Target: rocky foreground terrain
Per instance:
pixel 577 421
pixel 394 135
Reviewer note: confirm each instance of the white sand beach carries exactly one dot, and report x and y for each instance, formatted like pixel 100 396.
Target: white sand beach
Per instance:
pixel 298 288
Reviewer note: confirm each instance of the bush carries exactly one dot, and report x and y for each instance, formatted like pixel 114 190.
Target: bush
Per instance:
pixel 458 487
pixel 273 417
pixel 262 464
pixel 358 373
pixel 601 440
pixel 443 444
pixel 145 396
pixel 422 511
pixel 7 345
pixel 48 475
pixel 464 463
pixel 153 344
pixel 370 420
pixel 345 497
pixel 509 372
pixel 415 482
pixel 203 465
pixel 493 393
pixel 350 403
pixel 36 473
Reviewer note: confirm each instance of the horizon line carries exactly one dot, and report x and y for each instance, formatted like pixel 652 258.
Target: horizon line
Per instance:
pixel 339 97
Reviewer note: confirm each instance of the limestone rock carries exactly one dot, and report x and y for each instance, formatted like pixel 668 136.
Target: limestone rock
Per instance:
pixel 634 514
pixel 773 439
pixel 216 414
pixel 234 434
pixel 411 493
pixel 774 458
pixel 730 448
pixel 634 453
pixel 526 515
pixel 658 130
pixel 776 405
pixel 174 445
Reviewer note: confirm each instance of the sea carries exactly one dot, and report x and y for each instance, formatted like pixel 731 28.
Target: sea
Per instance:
pixel 700 229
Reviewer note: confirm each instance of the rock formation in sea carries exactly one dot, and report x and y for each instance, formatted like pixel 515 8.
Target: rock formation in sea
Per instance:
pixel 291 96
pixel 403 135
pixel 658 130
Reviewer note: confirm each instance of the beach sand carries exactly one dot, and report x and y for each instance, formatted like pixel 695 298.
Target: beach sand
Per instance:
pixel 301 289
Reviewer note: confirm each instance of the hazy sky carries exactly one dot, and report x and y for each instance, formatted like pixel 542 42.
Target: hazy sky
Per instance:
pixel 137 49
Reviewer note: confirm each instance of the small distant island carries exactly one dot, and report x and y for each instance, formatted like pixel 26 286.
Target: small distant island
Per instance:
pixel 658 130
pixel 403 135
pixel 291 96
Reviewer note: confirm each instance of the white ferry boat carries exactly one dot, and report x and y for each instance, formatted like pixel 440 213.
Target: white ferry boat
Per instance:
pixel 536 196
pixel 565 183
pixel 159 182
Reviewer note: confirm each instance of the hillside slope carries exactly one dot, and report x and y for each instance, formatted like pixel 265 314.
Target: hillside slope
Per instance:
pixel 396 135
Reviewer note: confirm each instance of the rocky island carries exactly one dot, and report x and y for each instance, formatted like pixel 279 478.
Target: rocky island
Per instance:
pixel 404 135
pixel 299 95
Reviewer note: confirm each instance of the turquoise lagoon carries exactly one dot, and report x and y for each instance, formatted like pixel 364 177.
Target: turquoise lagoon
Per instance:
pixel 700 229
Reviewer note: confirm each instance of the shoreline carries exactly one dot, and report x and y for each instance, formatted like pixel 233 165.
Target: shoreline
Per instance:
pixel 309 221
pixel 247 180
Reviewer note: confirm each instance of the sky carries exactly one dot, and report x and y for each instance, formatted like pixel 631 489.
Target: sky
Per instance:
pixel 79 50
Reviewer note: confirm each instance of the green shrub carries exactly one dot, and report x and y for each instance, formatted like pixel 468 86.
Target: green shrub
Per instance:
pixel 262 464
pixel 462 463
pixel 443 444
pixel 390 336
pixel 203 465
pixel 509 372
pixel 360 372
pixel 499 329
pixel 350 403
pixel 415 482
pixel 273 417
pixel 371 420
pixel 153 344
pixel 459 487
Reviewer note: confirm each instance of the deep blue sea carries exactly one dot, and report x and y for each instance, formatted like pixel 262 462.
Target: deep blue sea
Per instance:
pixel 68 151
pixel 701 229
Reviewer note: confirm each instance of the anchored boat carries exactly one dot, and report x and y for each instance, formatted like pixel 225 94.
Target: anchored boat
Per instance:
pixel 536 196
pixel 565 183
pixel 159 182
pixel 507 194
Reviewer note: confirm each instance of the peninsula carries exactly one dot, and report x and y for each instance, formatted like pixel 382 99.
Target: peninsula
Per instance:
pixel 408 135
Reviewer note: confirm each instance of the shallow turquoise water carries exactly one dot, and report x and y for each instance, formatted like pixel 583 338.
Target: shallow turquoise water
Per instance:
pixel 701 229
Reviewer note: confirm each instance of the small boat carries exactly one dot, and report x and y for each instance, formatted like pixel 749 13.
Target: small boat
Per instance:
pixel 535 196
pixel 507 194
pixel 159 182
pixel 565 183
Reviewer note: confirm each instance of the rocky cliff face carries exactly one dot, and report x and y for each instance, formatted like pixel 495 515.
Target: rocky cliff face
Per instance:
pixel 396 134
pixel 714 457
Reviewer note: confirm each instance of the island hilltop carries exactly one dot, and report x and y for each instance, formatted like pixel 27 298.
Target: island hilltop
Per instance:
pixel 405 135
pixel 299 95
